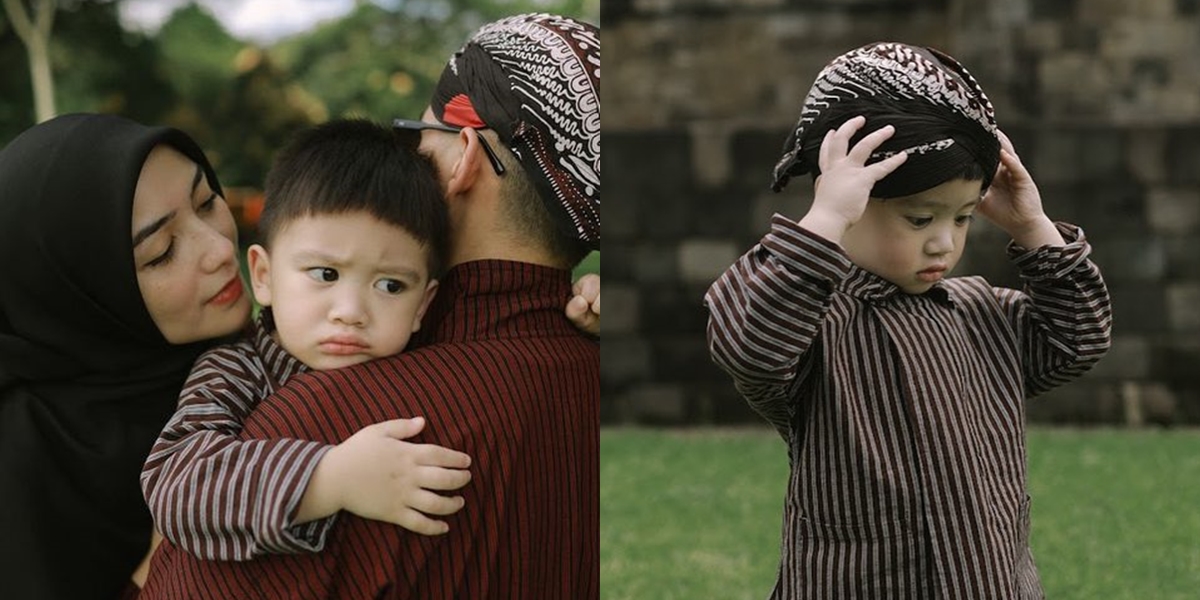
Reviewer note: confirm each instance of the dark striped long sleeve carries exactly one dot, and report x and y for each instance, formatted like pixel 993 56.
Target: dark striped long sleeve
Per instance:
pixel 219 497
pixel 766 311
pixel 904 414
pixel 1063 317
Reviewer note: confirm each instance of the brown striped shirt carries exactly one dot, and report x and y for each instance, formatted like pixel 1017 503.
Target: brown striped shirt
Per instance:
pixel 507 380
pixel 903 414
pixel 219 497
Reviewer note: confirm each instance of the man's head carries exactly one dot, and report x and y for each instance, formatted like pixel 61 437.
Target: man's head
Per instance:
pixel 353 230
pixel 529 85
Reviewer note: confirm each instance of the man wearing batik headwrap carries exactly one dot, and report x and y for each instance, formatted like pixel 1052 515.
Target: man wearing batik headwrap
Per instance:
pixel 899 392
pixel 501 374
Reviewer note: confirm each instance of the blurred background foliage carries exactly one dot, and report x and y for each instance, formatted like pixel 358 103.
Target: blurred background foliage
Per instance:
pixel 239 99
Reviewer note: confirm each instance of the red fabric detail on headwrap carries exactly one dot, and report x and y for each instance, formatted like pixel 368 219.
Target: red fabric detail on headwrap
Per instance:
pixel 459 112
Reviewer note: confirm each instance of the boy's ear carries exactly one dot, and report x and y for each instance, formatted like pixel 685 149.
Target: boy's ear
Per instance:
pixel 430 292
pixel 466 170
pixel 259 264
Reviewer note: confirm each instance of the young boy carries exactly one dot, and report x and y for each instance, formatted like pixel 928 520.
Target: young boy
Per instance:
pixel 353 235
pixel 899 392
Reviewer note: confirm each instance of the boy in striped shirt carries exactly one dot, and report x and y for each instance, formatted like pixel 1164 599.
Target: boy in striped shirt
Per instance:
pixel 901 393
pixel 354 231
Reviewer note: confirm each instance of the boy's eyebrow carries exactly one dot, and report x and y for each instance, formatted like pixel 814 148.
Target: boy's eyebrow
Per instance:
pixel 934 204
pixel 147 231
pixel 308 256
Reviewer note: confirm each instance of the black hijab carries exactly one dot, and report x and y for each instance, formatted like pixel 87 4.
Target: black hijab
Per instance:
pixel 86 380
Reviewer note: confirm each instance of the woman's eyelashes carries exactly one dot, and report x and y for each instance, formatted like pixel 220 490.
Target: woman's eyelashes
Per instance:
pixel 208 203
pixel 206 206
pixel 165 257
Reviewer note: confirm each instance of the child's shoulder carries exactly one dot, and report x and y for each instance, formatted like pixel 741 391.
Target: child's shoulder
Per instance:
pixel 237 348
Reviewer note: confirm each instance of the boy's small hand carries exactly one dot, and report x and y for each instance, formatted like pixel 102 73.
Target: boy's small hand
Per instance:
pixel 844 186
pixel 385 478
pixel 1014 204
pixel 584 307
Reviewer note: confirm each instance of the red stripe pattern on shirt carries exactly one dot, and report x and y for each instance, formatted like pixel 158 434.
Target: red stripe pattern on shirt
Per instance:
pixel 510 382
pixel 903 414
pixel 219 497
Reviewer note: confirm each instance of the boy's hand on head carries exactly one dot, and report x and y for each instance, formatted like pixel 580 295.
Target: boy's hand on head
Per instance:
pixel 844 186
pixel 1014 204
pixel 375 474
pixel 584 307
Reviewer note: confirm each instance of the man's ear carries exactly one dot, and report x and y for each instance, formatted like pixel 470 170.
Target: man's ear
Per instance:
pixel 466 171
pixel 259 264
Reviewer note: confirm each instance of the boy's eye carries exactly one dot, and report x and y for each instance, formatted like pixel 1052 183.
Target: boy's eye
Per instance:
pixel 964 219
pixel 919 221
pixel 390 286
pixel 323 274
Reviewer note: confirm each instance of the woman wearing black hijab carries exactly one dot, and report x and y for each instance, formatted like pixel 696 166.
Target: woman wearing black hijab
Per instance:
pixel 105 304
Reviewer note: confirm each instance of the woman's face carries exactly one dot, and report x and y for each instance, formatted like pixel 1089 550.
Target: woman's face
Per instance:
pixel 185 251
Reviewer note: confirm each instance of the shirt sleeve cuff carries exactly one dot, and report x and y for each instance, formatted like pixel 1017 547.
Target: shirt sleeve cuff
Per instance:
pixel 310 536
pixel 805 252
pixel 1052 262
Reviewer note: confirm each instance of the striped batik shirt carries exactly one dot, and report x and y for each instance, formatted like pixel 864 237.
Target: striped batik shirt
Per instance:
pixel 219 497
pixel 903 414
pixel 510 382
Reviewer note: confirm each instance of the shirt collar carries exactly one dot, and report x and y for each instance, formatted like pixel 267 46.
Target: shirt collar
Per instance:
pixel 493 299
pixel 279 364
pixel 865 285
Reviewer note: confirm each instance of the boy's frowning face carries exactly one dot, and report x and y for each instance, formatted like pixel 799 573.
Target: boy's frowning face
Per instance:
pixel 343 289
pixel 914 241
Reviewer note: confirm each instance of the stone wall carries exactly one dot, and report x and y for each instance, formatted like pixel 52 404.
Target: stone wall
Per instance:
pixel 1101 98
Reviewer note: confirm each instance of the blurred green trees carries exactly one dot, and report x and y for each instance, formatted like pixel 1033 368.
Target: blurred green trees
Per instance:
pixel 240 100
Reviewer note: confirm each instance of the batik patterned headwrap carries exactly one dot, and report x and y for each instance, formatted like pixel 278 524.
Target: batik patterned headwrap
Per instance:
pixel 942 118
pixel 534 79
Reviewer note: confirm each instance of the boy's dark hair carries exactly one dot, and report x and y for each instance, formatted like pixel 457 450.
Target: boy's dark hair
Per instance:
pixel 350 165
pixel 972 171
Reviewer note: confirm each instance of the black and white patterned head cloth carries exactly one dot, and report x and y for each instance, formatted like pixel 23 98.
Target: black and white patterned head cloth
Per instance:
pixel 534 79
pixel 942 118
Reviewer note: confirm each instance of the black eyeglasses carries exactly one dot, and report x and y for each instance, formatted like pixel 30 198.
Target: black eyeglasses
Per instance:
pixel 410 125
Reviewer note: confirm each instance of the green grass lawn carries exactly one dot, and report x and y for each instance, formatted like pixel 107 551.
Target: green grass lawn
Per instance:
pixel 696 514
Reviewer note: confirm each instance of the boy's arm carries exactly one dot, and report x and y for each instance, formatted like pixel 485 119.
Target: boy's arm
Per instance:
pixel 219 497
pixel 1063 318
pixel 766 310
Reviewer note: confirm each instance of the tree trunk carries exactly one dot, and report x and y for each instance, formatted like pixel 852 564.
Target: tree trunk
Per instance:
pixel 36 36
